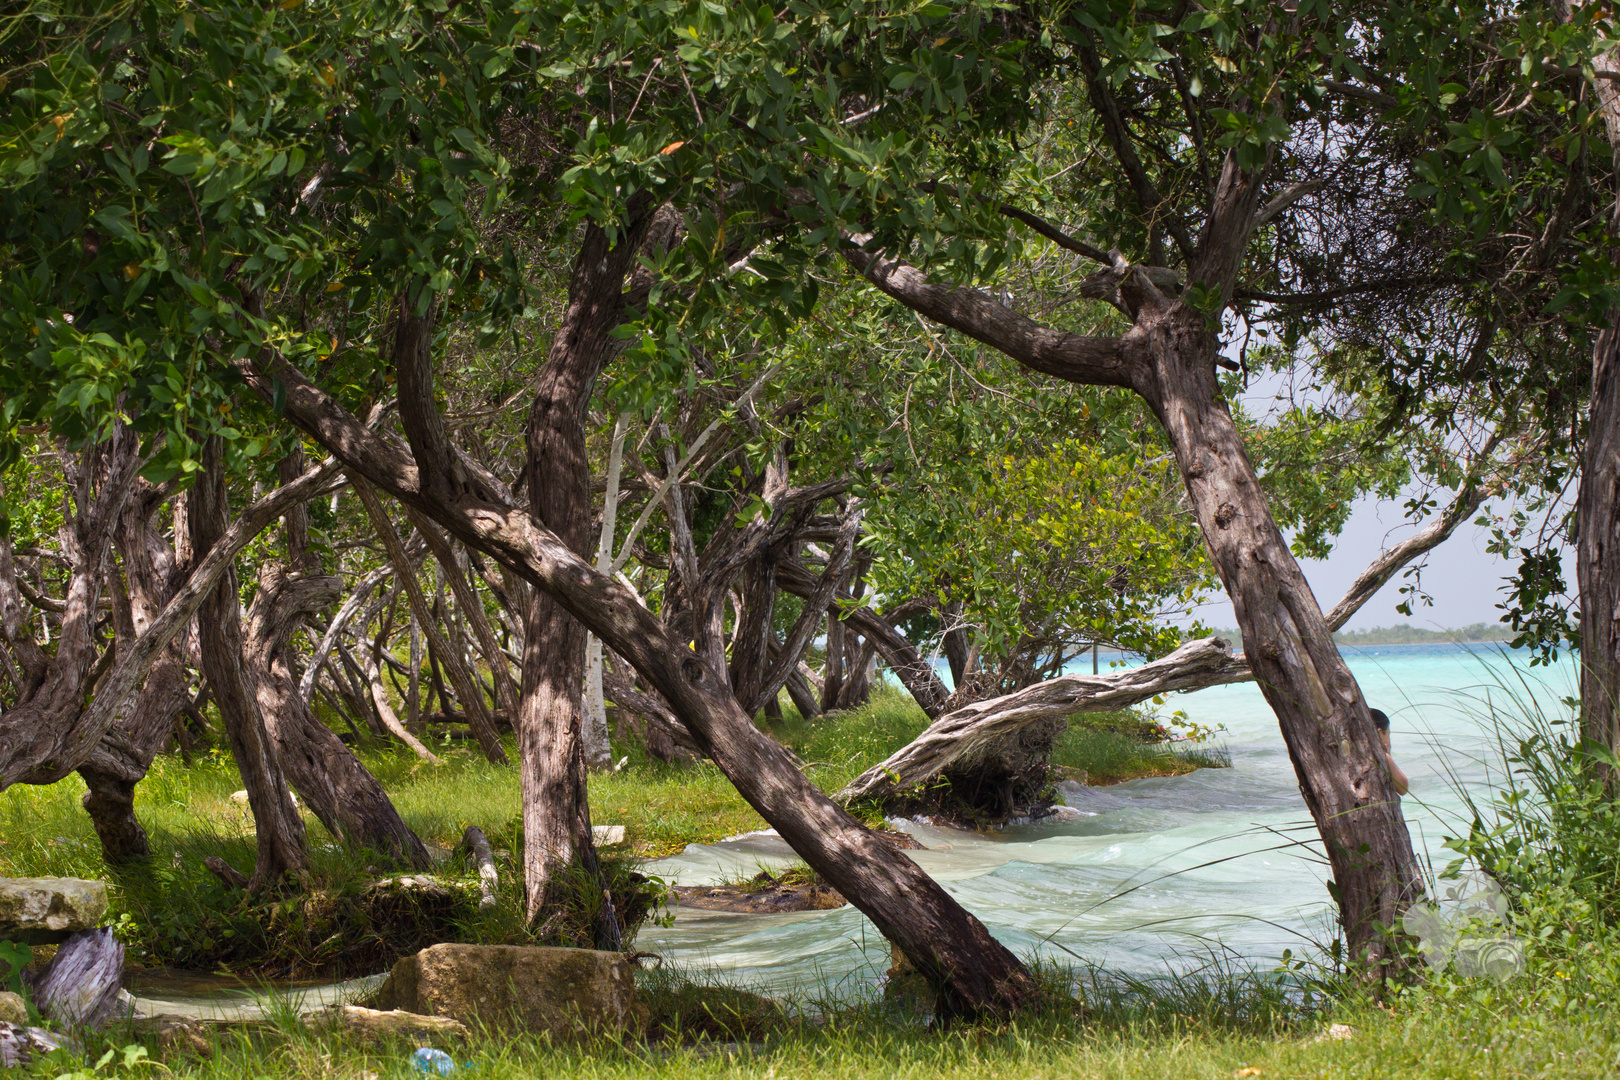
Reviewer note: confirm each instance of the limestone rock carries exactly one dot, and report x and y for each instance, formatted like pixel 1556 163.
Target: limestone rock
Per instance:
pixel 12 1009
pixel 567 992
pixel 376 1025
pixel 36 911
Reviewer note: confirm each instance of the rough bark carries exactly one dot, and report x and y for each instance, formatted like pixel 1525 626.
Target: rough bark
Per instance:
pixel 44 736
pixel 1597 552
pixel 821 599
pixel 962 733
pixel 1597 503
pixel 280 831
pixel 336 786
pixel 751 640
pixel 147 724
pixel 976 974
pixel 556 810
pixel 37 751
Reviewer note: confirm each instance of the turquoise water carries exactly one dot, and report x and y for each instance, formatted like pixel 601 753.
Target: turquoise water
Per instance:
pixel 1157 873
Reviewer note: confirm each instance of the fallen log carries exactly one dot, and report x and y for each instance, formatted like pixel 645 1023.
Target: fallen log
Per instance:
pixel 966 731
pixel 478 847
pixel 962 732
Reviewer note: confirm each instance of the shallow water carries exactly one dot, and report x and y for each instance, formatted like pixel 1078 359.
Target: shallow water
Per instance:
pixel 1158 872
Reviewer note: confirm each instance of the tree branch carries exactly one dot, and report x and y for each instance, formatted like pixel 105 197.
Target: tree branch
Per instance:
pixel 1098 361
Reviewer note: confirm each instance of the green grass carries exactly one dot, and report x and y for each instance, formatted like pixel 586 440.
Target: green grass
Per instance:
pixel 189 815
pixel 1110 755
pixel 1146 1032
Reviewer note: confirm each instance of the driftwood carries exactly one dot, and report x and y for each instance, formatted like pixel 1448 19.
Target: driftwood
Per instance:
pixel 962 732
pixel 80 987
pixel 478 847
pixel 19 1045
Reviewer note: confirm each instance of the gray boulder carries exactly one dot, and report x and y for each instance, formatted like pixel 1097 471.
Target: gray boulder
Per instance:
pixel 40 911
pixel 568 993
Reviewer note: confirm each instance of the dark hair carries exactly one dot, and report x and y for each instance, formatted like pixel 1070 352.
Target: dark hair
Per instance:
pixel 1380 719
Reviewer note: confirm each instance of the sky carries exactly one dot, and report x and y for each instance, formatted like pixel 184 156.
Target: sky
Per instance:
pixel 1462 578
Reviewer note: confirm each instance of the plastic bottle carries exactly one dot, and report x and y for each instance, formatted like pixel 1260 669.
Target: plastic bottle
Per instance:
pixel 432 1062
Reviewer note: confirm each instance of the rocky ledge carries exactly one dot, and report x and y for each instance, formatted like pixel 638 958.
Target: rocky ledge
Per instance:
pixel 44 911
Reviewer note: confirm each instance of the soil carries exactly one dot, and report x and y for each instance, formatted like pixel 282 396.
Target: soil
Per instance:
pixel 752 900
pixel 794 889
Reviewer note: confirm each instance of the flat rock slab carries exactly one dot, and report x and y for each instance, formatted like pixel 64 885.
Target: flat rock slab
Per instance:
pixel 566 992
pixel 40 911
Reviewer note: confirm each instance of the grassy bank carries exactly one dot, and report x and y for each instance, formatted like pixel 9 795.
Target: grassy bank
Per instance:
pixel 1231 1027
pixel 336 927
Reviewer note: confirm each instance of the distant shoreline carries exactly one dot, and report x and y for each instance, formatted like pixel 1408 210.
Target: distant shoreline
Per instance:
pixel 1476 634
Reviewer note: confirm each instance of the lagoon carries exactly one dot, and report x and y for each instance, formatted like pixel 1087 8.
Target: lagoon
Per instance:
pixel 1160 874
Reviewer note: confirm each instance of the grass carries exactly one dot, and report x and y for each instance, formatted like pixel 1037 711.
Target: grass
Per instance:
pixel 1211 1027
pixel 189 815
pixel 1110 755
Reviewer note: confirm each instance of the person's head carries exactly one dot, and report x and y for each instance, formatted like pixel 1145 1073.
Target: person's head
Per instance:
pixel 1381 721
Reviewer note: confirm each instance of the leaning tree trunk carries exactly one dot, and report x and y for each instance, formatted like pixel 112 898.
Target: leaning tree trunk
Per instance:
pixel 280 831
pixel 1324 720
pixel 336 786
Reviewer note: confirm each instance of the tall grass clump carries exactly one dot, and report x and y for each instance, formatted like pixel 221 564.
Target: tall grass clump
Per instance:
pixel 1550 839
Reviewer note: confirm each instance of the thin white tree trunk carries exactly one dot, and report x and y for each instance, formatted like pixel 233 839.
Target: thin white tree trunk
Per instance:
pixel 598 753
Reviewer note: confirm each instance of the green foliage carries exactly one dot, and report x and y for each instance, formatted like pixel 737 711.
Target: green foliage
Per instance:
pixel 1551 838
pixel 16 957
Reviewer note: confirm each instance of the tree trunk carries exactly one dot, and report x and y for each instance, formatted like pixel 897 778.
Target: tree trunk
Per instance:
pixel 1324 720
pixel 1597 553
pixel 280 831
pixel 598 751
pixel 976 974
pixel 146 725
pixel 556 808
pixel 751 640
pixel 1597 506
pixel 913 671
pixel 832 672
pixel 336 786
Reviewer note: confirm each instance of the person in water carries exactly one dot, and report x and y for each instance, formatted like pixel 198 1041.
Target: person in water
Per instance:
pixel 1395 773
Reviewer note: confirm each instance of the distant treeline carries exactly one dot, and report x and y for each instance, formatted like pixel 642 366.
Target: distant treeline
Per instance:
pixel 1402 635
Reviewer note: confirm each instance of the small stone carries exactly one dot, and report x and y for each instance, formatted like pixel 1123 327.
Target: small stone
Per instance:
pixel 607 835
pixel 1339 1031
pixel 12 1009
pixel 376 1025
pixel 35 911
pixel 240 798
